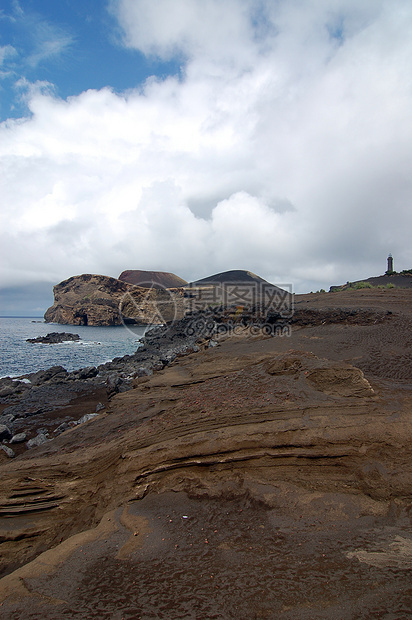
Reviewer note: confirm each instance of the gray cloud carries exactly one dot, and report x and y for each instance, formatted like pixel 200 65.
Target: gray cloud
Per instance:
pixel 29 300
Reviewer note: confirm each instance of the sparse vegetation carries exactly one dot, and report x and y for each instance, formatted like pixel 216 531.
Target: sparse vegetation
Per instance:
pixel 369 285
pixel 358 285
pixel 404 272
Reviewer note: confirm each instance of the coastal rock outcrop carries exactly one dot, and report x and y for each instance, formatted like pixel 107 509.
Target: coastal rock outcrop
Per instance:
pixel 101 300
pixel 54 338
pixel 157 297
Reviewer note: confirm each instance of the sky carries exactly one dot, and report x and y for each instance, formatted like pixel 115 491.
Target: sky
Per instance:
pixel 198 136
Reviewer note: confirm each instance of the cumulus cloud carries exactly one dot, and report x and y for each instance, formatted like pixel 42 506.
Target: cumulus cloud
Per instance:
pixel 283 146
pixel 211 28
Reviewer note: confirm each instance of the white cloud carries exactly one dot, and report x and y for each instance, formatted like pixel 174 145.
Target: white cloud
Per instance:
pixel 6 51
pixel 45 40
pixel 284 147
pixel 192 28
pixel 36 42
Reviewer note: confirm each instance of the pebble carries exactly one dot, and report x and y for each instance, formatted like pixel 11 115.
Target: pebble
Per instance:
pixel 87 417
pixel 37 441
pixel 8 451
pixel 19 438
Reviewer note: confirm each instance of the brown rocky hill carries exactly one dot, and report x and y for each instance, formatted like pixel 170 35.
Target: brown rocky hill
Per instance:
pixel 101 300
pixel 149 279
pixel 233 275
pixel 241 289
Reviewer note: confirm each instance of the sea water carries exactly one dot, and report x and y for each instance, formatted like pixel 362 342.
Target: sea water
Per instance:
pixel 97 345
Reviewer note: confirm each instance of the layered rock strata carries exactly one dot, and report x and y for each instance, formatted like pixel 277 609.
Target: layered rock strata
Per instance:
pixel 309 429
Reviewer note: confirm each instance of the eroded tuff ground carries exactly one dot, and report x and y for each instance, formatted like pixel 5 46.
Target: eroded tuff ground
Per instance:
pixel 263 478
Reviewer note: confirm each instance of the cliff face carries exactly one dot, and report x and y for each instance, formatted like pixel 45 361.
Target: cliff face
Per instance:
pixel 100 300
pixel 147 279
pixel 157 297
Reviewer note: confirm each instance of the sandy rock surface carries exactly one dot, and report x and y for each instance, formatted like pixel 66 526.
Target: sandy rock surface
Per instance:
pixel 266 477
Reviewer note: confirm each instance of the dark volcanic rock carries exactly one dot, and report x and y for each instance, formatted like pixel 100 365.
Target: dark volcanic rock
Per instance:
pixel 116 384
pixel 11 388
pixel 4 432
pixel 64 426
pixel 83 373
pixel 55 338
pixel 42 376
pixel 46 397
pixel 161 345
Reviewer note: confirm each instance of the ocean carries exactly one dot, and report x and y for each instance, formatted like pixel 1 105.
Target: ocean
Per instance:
pixel 97 345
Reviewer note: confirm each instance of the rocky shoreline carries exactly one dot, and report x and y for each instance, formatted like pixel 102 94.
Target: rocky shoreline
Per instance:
pixel 28 403
pixel 39 406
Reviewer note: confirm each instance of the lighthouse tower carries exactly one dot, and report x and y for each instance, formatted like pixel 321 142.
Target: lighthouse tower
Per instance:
pixel 390 265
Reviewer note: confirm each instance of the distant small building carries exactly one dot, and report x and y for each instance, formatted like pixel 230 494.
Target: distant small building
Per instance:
pixel 390 264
